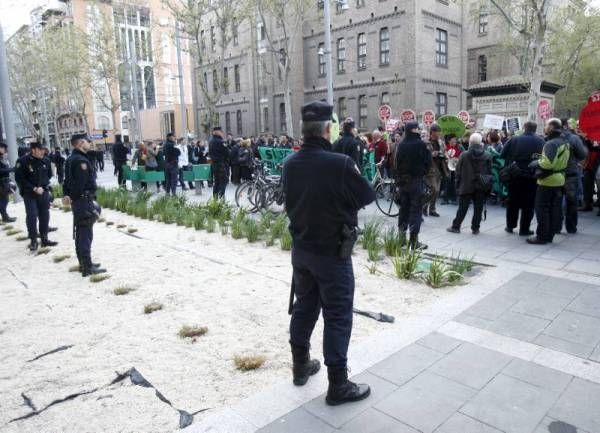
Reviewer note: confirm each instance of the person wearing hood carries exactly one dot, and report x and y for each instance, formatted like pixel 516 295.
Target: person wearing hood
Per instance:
pixel 219 155
pixel 348 144
pixel 473 183
pixel 413 162
pixel 171 155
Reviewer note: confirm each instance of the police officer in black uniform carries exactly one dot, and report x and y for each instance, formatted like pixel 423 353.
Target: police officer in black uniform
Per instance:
pixel 80 191
pixel 5 188
pixel 219 156
pixel 32 173
pixel 348 144
pixel 323 193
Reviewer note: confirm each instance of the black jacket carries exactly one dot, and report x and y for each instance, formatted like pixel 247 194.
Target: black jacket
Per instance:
pixel 578 153
pixel 323 192
pixel 218 152
pixel 171 153
pixel 472 163
pixel 234 155
pixel 31 172
pixel 5 170
pixel 523 149
pixel 80 177
pixel 413 158
pixel 348 145
pixel 120 152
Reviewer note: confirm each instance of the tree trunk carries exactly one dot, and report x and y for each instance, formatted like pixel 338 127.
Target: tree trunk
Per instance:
pixel 287 99
pixel 536 74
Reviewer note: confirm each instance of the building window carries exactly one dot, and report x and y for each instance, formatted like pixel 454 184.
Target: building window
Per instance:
pixel 238 122
pixel 206 81
pixel 234 31
pixel 103 122
pixel 482 68
pixel 384 46
pixel 441 47
pixel 362 51
pixel 227 122
pixel 236 73
pixel 265 118
pixel 483 22
pixel 363 111
pixel 342 109
pixel 385 98
pixel 441 103
pixel 261 32
pixel 360 3
pixel 341 55
pixel 215 81
pixel 225 81
pixel 321 54
pixel 202 43
pixel 282 122
pixel 340 7
pixel 149 87
pixel 213 40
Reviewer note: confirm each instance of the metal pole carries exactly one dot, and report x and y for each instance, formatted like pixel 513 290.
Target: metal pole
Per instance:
pixel 184 125
pixel 329 71
pixel 6 101
pixel 132 61
pixel 45 113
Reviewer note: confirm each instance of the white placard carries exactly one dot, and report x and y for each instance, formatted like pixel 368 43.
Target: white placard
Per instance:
pixel 492 121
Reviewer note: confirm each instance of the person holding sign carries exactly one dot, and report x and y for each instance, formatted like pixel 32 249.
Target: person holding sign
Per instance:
pixel 438 170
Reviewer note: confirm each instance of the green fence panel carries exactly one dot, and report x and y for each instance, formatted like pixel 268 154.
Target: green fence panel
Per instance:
pixel 154 176
pixel 273 157
pixel 202 171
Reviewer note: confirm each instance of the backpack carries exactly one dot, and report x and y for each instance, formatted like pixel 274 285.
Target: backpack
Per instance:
pixel 482 182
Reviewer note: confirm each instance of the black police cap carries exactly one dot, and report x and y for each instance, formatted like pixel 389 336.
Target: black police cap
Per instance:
pixel 37 145
pixel 217 128
pixel 435 128
pixel 411 125
pixel 317 111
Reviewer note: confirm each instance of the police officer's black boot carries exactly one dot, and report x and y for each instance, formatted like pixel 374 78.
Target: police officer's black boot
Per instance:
pixel 33 245
pixel 303 367
pixel 89 269
pixel 47 242
pixel 414 243
pixel 341 390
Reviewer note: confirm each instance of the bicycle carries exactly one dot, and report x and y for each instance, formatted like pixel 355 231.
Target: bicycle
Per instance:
pixel 262 192
pixel 386 195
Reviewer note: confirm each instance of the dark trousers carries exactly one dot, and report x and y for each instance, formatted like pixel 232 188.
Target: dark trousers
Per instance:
pixel 589 181
pixel 434 180
pixel 119 172
pixel 60 173
pixel 219 179
pixel 464 201
pixel 410 192
pixel 171 176
pixel 235 174
pixel 181 181
pixel 570 208
pixel 3 206
pixel 101 164
pixel 548 202
pixel 323 282
pixel 37 208
pixel 450 187
pixel 84 235
pixel 521 197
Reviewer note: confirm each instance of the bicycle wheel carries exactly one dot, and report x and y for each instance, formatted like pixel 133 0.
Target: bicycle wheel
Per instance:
pixel 385 197
pixel 245 197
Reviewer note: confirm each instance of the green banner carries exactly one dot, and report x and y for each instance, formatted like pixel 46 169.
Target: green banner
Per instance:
pixel 452 125
pixel 273 157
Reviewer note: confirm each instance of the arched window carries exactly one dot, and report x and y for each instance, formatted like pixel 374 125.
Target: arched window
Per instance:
pixel 124 88
pixel 103 122
pixel 282 119
pixel 482 68
pixel 149 87
pixel 238 121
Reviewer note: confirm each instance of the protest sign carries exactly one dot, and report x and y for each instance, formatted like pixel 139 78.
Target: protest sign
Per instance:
pixel 451 125
pixel 589 119
pixel 491 121
pixel 385 112
pixel 428 117
pixel 513 124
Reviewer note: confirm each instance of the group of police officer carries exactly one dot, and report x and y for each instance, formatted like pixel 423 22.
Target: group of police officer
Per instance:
pixel 33 172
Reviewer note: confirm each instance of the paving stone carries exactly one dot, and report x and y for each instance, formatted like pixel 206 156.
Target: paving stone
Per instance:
pixel 460 423
pixel 551 425
pixel 537 375
pixel 588 302
pixel 547 264
pixel 406 364
pixel 576 328
pixel 548 307
pixel 474 321
pixel 584 266
pixel 595 356
pixel 561 287
pixel 340 415
pixel 511 405
pixel 373 421
pixel 560 254
pixel 579 405
pixel 471 365
pixel 426 401
pixel 519 326
pixel 439 342
pixel 580 350
pixel 492 306
pixel 298 421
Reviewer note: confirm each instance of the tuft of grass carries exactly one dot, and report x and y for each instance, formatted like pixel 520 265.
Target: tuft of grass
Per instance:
pixel 286 241
pixel 249 362
pixel 211 224
pixel 461 265
pixel 370 234
pixel 58 259
pixel 152 307
pixel 122 290
pixel 8 227
pixel 406 262
pixel 109 223
pixel 121 226
pixel 13 232
pixel 96 278
pixel 392 241
pixel 131 230
pixel 372 268
pixel 252 230
pixel 101 220
pixel 192 331
pixel 21 238
pixel 43 250
pixel 440 274
pixel 74 268
pixel 373 251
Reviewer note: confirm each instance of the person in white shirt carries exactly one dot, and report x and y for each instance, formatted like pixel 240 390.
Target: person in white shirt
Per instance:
pixel 183 162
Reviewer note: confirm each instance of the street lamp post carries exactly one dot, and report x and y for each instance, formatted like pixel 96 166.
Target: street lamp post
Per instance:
pixel 6 102
pixel 328 62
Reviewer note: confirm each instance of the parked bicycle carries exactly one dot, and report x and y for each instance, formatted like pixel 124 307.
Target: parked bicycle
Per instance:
pixel 264 191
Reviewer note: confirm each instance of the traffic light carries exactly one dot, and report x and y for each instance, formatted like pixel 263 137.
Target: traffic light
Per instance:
pixel 104 133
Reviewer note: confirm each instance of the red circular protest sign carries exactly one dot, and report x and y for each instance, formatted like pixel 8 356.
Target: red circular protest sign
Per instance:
pixel 595 97
pixel 385 112
pixel 408 116
pixel 544 109
pixel 589 119
pixel 464 116
pixel 428 117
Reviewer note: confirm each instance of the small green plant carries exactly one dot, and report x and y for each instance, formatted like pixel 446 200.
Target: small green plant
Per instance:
pixel 152 307
pixel 121 226
pixel 109 223
pixel 249 362
pixel 58 259
pixel 286 241
pixel 270 241
pixel 370 234
pixel 96 278
pixel 74 268
pixel 251 230
pixel 200 219
pixel 132 230
pixel 440 274
pixel 7 227
pixel 13 232
pixel 406 262
pixel 279 226
pixel 237 224
pixel 101 220
pixel 21 238
pixel 372 268
pixel 373 251
pixel 192 331
pixel 224 228
pixel 211 224
pixel 392 241
pixel 461 265
pixel 122 290
pixel 43 250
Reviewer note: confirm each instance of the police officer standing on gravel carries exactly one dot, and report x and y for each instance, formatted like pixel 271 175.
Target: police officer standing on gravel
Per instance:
pixel 80 192
pixel 323 193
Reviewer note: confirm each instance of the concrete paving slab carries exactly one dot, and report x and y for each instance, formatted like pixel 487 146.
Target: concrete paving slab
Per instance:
pixel 426 402
pixel 406 364
pixel 595 356
pixel 537 375
pixel 297 421
pixel 373 421
pixel 460 423
pixel 576 328
pixel 471 365
pixel 492 306
pixel 587 302
pixel 549 307
pixel 475 321
pixel 520 326
pixel 584 266
pixel 579 405
pixel 511 405
pixel 566 346
pixel 551 425
pixel 439 342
